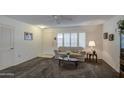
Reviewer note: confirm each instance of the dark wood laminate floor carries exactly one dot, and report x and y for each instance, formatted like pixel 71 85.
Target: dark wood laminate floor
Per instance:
pixel 48 68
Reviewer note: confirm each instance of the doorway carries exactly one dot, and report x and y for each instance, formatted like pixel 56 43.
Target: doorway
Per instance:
pixel 121 55
pixel 6 46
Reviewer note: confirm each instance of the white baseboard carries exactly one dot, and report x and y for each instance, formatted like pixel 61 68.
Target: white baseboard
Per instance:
pixel 3 67
pixel 46 55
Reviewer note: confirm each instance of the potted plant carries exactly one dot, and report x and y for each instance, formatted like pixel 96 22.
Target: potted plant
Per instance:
pixel 121 26
pixel 68 55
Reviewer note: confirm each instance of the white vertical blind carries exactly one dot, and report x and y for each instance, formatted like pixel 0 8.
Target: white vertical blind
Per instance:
pixel 67 39
pixel 82 40
pixel 73 39
pixel 60 40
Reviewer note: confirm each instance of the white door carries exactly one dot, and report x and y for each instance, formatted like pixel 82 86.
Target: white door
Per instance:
pixel 6 46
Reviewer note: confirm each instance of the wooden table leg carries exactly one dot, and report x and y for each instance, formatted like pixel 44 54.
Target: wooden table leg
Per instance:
pixel 59 62
pixel 76 64
pixel 96 58
pixel 87 57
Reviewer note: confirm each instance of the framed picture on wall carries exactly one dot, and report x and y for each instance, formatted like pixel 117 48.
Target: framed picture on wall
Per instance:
pixel 105 35
pixel 111 37
pixel 28 36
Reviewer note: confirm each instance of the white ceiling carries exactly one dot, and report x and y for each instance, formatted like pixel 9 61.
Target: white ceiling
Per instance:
pixel 66 20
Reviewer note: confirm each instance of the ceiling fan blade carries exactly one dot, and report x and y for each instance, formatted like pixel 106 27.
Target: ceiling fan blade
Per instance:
pixel 57 21
pixel 56 18
pixel 66 17
pixel 59 18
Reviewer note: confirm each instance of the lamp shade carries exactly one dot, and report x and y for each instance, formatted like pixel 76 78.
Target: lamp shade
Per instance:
pixel 92 43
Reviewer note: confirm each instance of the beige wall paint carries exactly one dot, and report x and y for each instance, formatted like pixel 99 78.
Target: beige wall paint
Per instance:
pixel 44 40
pixel 92 33
pixel 24 50
pixel 111 49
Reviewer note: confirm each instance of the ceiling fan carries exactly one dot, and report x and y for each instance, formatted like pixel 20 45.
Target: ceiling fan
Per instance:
pixel 59 18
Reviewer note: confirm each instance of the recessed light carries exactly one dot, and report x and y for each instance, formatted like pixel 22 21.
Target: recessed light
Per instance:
pixel 43 27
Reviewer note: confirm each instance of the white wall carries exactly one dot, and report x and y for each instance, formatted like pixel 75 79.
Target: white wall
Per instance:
pixel 107 50
pixel 24 49
pixel 111 49
pixel 92 33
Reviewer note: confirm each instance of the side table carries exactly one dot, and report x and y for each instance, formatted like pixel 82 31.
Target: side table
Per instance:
pixel 92 56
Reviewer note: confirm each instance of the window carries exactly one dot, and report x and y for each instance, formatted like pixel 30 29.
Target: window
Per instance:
pixel 60 39
pixel 74 40
pixel 82 40
pixel 67 39
pixel 71 39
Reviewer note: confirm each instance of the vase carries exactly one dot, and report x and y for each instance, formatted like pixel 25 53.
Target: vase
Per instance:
pixel 68 56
